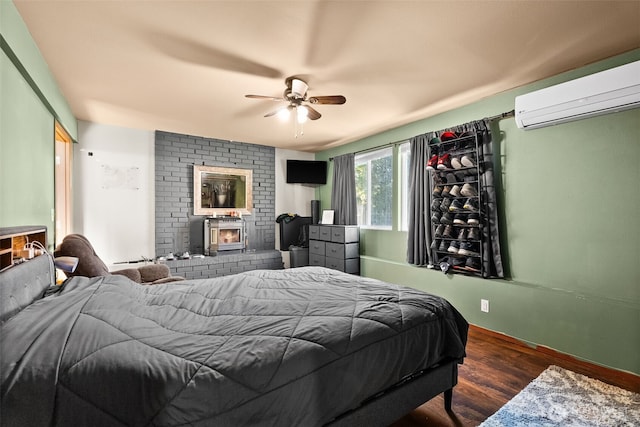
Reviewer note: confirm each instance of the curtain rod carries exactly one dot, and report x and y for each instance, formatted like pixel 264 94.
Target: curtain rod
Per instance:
pixel 388 144
pixel 504 115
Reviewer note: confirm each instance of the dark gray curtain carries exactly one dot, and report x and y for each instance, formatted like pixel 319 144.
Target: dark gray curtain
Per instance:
pixel 419 225
pixel 343 192
pixel 492 254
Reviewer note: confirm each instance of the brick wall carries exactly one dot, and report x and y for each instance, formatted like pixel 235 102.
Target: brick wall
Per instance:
pixel 222 265
pixel 177 229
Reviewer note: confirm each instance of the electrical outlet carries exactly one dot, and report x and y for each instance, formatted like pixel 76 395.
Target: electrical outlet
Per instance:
pixel 484 305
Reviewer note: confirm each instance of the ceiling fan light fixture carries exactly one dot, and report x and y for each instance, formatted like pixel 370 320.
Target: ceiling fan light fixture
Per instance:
pixel 284 114
pixel 299 88
pixel 302 113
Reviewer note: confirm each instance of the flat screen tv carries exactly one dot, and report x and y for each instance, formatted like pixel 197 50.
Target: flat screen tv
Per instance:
pixel 306 171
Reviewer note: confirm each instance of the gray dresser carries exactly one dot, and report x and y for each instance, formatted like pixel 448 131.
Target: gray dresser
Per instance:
pixel 335 246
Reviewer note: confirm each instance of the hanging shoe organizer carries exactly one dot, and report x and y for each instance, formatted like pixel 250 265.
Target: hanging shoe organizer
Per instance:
pixel 456 205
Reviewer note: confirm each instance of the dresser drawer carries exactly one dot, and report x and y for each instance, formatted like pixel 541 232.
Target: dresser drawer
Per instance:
pixel 345 234
pixel 314 232
pixel 342 250
pixel 325 233
pixel 334 263
pixel 316 260
pixel 334 250
pixel 351 265
pixel 317 247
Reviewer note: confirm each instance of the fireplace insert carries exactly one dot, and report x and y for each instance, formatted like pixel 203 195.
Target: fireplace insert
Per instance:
pixel 223 234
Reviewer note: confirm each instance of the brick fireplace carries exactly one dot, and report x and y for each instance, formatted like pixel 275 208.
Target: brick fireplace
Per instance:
pixel 177 228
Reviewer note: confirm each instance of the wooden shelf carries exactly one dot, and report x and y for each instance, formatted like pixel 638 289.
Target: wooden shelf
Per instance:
pixel 14 239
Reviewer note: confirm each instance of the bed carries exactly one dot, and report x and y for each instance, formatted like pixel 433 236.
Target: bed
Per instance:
pixel 306 346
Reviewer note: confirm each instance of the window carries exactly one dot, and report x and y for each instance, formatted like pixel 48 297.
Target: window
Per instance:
pixel 374 188
pixel 405 164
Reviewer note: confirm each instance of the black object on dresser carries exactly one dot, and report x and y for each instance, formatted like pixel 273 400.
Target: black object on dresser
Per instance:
pixel 335 246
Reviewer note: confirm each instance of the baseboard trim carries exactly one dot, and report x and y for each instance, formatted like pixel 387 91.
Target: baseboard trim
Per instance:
pixel 628 380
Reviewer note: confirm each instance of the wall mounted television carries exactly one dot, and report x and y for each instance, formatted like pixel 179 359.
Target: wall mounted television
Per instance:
pixel 306 171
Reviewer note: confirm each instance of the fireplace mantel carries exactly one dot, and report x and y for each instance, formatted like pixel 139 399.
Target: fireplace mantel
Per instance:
pixel 225 264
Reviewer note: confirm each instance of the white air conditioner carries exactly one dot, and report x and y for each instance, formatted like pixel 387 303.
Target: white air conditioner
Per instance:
pixel 608 91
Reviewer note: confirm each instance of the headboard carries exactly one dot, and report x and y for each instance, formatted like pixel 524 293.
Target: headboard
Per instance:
pixel 22 284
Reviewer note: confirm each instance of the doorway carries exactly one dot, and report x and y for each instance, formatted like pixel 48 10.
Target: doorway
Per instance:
pixel 63 158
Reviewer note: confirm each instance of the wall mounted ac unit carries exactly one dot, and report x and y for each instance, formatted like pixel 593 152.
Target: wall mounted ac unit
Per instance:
pixel 608 91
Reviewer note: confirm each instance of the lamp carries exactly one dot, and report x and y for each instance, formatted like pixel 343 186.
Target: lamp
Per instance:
pixel 301 116
pixel 67 264
pixel 302 113
pixel 284 113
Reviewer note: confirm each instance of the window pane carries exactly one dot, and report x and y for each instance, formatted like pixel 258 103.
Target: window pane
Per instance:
pixel 381 191
pixel 362 192
pixel 374 188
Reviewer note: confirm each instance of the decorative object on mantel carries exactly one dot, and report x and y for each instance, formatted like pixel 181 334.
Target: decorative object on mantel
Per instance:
pixel 559 397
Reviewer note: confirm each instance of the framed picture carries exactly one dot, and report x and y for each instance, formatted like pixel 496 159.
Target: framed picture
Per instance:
pixel 219 191
pixel 327 217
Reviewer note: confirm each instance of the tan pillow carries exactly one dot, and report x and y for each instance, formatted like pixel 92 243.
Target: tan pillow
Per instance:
pixel 131 273
pixel 153 272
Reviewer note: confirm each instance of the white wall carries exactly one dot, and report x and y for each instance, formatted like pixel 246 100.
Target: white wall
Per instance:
pixel 114 197
pixel 114 191
pixel 291 198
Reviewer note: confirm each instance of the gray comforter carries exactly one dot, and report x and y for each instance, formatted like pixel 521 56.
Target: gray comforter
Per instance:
pixel 282 348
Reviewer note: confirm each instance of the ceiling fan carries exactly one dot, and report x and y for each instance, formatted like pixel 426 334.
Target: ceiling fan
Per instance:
pixel 296 96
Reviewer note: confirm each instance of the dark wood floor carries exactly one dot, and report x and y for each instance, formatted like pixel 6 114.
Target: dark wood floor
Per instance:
pixel 495 370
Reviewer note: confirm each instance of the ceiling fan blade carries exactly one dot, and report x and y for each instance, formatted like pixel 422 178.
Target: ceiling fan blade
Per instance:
pixel 270 98
pixel 312 114
pixel 329 99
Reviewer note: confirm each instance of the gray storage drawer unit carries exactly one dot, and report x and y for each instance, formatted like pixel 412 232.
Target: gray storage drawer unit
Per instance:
pixel 335 246
pixel 316 251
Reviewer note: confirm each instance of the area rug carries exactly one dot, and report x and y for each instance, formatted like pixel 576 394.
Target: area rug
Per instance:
pixel 559 397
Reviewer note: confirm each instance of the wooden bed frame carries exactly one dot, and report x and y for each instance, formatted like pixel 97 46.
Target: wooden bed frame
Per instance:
pixel 21 284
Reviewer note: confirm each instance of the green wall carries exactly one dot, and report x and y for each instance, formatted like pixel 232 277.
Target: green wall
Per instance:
pixel 570 202
pixel 30 101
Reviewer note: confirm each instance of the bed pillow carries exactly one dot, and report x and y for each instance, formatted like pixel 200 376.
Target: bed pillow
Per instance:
pixel 131 273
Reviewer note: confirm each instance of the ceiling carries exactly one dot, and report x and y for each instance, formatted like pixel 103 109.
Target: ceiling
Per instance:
pixel 185 66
